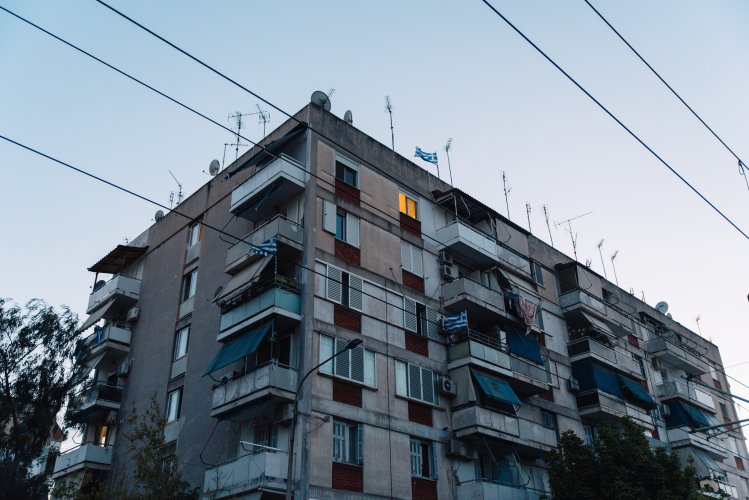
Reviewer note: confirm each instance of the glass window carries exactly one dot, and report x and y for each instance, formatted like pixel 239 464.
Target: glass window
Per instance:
pixel 340 226
pixel 423 459
pixel 415 382
pixel 189 285
pixel 724 410
pixel 537 272
pixel 347 442
pixel 408 205
pixel 174 405
pixel 357 364
pixel 548 419
pixel 567 279
pixel 347 174
pixel 102 435
pixel 180 343
pixel 194 234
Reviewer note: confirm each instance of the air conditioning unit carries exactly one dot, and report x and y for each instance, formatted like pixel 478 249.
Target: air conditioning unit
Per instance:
pixel 285 413
pixel 446 272
pixel 133 314
pixel 573 385
pixel 457 448
pixel 124 369
pixel 665 410
pixel 445 257
pixel 447 387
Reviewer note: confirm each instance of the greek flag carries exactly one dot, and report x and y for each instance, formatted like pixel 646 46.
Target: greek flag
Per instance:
pixel 430 157
pixel 451 323
pixel 265 248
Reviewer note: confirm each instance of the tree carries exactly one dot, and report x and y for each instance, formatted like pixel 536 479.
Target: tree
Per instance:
pixel 36 374
pixel 619 465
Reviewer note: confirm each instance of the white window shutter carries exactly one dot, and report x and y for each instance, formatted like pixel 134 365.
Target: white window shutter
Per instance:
pixel 352 230
pixel 406 255
pixel 370 373
pixel 334 288
pixel 328 216
pixel 414 381
pixel 427 385
pixel 357 364
pixel 326 351
pixel 417 261
pixel 409 315
pixel 401 379
pixel 342 362
pixel 355 295
pixel 433 323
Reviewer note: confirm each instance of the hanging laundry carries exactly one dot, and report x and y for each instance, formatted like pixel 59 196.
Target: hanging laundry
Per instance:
pixel 526 310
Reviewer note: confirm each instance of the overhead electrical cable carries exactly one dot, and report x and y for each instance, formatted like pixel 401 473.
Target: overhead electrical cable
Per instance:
pixel 613 116
pixel 742 165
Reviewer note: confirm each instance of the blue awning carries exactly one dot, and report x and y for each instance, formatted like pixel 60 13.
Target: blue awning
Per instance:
pixel 496 388
pixel 635 393
pixel 521 344
pixel 683 414
pixel 592 375
pixel 238 348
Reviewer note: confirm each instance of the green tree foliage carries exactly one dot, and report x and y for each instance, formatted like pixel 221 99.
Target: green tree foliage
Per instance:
pixel 619 465
pixel 36 375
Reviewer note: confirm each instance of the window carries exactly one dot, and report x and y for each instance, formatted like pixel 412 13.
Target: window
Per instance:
pixel 344 288
pixel 423 458
pixel 724 410
pixel 415 382
pixel 180 343
pixel 548 419
pixel 420 319
pixel 264 435
pixel 347 172
pixel 344 225
pixel 174 405
pixel 189 285
pixel 102 435
pixel 347 442
pixel 408 205
pixel 538 319
pixel 411 258
pixel 567 279
pixel 591 433
pixel 357 364
pixel 194 234
pixel 537 273
pixel 504 470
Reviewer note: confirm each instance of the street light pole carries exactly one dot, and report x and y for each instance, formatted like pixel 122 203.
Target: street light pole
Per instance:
pixel 290 465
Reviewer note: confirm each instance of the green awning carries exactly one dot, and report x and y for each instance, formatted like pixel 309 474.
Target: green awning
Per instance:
pixel 495 388
pixel 635 393
pixel 238 348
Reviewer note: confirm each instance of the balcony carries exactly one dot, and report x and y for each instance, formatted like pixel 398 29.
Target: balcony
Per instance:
pixel 272 381
pixel 85 456
pixel 680 437
pixel 112 340
pixel 98 399
pixel 528 378
pixel 679 356
pixel 528 437
pixel 587 347
pixel 123 289
pixel 281 179
pixel 261 472
pixel 482 350
pixel 474 247
pixel 689 392
pixel 482 304
pixel 576 298
pixel 601 406
pixel 486 490
pixel 280 297
pixel 239 254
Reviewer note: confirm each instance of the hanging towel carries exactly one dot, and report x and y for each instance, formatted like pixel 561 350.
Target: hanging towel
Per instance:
pixel 526 310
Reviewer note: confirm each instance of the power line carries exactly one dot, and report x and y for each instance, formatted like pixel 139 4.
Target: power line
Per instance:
pixel 742 165
pixel 612 115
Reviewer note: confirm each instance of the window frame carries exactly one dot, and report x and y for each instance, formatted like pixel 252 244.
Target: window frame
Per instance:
pixel 193 230
pixel 417 449
pixel 412 258
pixel 189 285
pixel 403 204
pixel 537 273
pixel 178 342
pixel 345 288
pixel 173 414
pixel 327 345
pixel 346 167
pixel 405 372
pixel 348 445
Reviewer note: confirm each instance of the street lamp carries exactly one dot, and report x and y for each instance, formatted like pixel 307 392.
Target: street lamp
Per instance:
pixel 290 466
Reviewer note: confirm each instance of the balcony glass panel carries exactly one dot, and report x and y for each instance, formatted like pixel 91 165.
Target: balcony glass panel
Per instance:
pixel 685 390
pixel 277 296
pixel 486 490
pixel 289 173
pixel 119 285
pixel 266 470
pixel 80 455
pixel 473 246
pixel 271 376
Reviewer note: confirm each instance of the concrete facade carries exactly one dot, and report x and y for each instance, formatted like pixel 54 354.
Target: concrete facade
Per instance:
pixel 417 411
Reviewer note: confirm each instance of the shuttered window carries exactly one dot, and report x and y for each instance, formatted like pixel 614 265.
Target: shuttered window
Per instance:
pixel 344 288
pixel 347 442
pixel 415 382
pixel 357 364
pixel 411 258
pixel 344 225
pixel 420 319
pixel 423 458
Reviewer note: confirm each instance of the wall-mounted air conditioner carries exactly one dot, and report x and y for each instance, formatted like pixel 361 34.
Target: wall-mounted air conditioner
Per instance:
pixel 447 387
pixel 446 272
pixel 445 257
pixel 573 385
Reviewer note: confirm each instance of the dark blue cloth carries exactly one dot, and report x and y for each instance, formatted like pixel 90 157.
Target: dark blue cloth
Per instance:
pixel 496 388
pixel 683 414
pixel 635 393
pixel 521 344
pixel 592 375
pixel 238 348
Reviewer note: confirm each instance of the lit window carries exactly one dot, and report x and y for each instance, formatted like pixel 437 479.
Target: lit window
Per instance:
pixel 194 234
pixel 347 442
pixel 189 285
pixel 174 405
pixel 423 459
pixel 180 343
pixel 408 205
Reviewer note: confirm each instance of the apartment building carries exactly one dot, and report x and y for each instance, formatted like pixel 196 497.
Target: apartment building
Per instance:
pixel 328 236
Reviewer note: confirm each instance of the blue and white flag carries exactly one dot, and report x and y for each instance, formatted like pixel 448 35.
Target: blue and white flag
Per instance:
pixel 451 323
pixel 430 157
pixel 265 248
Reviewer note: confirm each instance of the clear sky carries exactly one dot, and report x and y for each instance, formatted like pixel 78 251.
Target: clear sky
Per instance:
pixel 453 69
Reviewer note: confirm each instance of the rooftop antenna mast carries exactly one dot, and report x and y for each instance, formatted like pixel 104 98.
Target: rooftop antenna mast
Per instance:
pixel 600 244
pixel 263 117
pixel 448 147
pixel 528 213
pixel 507 192
pixel 546 215
pixel 389 109
pixel 697 320
pixel 573 236
pixel 613 257
pixel 179 192
pixel 238 118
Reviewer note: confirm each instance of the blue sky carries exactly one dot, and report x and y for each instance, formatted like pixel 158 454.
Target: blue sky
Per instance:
pixel 453 69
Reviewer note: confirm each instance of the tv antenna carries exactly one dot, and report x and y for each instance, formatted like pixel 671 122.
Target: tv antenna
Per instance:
pixel 613 258
pixel 237 117
pixel 588 263
pixel 389 109
pixel 528 213
pixel 179 191
pixel 262 116
pixel 573 236
pixel 448 147
pixel 546 215
pixel 507 192
pixel 600 244
pixel 697 320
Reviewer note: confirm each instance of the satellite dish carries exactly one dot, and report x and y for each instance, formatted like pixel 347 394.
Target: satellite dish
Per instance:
pixel 662 307
pixel 214 167
pixel 158 215
pixel 321 99
pixel 348 117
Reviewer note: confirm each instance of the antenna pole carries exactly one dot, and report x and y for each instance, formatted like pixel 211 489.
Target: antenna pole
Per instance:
pixel 507 191
pixel 600 244
pixel 697 320
pixel 546 215
pixel 613 257
pixel 263 116
pixel 573 236
pixel 448 146
pixel 179 191
pixel 389 109
pixel 528 213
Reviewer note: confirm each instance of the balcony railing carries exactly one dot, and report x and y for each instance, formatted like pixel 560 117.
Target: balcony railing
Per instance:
pixel 285 171
pixel 487 490
pixel 101 395
pixel 680 437
pixel 475 246
pixel 109 332
pixel 240 254
pixel 519 431
pixel 482 303
pixel 280 296
pixel 118 286
pixel 482 347
pixel 587 346
pixel 265 470
pixel 685 390
pixel 682 357
pixel 599 404
pixel 269 380
pixel 85 455
pixel 531 370
pixel 577 297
